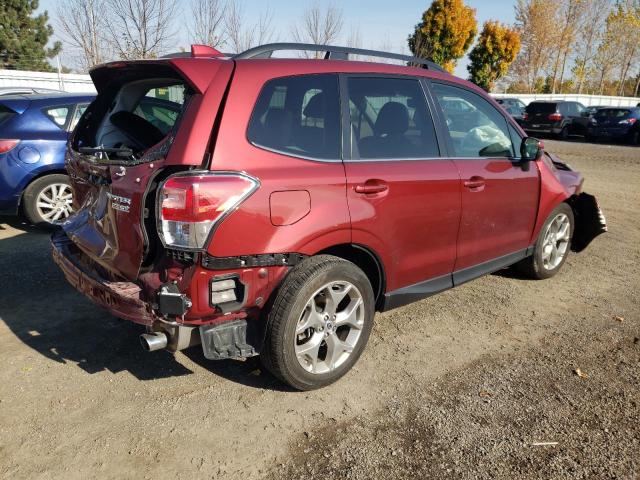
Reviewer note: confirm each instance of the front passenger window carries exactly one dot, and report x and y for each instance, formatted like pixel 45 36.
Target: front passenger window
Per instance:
pixel 476 128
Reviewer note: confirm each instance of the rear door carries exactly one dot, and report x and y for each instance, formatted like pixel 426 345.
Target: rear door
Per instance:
pixel 114 219
pixel 579 118
pixel 404 197
pixel 499 197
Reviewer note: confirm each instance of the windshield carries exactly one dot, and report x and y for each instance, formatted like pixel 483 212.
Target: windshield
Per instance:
pixel 6 113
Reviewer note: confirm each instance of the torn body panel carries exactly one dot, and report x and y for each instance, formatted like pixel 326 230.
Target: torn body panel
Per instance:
pixel 560 183
pixel 590 221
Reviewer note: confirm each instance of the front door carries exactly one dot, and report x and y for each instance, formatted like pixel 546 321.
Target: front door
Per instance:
pixel 404 198
pixel 499 196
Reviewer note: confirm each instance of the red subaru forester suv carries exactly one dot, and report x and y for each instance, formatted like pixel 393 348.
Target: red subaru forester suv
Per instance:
pixel 279 203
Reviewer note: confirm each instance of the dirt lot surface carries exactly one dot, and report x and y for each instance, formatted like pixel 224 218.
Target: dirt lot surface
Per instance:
pixel 466 384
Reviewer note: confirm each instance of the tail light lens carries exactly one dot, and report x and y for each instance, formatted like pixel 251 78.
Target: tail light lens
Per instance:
pixel 628 121
pixel 8 145
pixel 190 206
pixel 525 116
pixel 555 117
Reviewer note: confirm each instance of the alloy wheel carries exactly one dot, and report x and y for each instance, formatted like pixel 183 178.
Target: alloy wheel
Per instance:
pixel 329 327
pixel 556 241
pixel 54 203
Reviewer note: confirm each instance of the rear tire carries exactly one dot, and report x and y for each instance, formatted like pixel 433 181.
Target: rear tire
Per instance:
pixel 564 133
pixel 47 201
pixel 552 245
pixel 634 138
pixel 319 323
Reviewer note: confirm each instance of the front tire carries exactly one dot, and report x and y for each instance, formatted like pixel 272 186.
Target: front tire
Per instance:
pixel 319 323
pixel 47 201
pixel 552 245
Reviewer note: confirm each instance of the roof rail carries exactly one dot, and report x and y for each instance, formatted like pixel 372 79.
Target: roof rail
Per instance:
pixel 333 52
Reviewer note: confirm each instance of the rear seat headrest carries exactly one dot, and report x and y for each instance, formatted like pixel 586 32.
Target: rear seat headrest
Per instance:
pixel 392 119
pixel 316 106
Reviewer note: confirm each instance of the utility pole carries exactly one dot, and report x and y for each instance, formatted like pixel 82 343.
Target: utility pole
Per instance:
pixel 60 79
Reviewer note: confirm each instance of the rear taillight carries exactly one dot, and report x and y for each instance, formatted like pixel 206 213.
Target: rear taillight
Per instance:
pixel 191 205
pixel 555 117
pixel 8 145
pixel 628 121
pixel 525 116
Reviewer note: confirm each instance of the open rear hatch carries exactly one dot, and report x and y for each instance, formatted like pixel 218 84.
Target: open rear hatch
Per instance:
pixel 139 129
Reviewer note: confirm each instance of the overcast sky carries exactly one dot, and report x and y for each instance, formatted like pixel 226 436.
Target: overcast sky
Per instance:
pixel 381 22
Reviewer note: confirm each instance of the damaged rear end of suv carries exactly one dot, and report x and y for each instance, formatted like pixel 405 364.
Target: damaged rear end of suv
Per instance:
pixel 147 201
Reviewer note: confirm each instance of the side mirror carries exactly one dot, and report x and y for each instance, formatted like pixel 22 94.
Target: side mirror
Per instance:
pixel 531 150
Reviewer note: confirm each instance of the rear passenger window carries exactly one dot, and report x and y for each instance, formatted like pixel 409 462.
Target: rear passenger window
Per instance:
pixel 476 128
pixel 299 116
pixel 58 115
pixel 390 119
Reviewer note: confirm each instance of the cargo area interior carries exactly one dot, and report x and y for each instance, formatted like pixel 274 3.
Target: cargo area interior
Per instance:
pixel 131 116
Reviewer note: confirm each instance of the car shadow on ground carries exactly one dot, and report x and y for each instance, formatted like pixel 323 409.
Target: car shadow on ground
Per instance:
pixel 248 372
pixel 48 315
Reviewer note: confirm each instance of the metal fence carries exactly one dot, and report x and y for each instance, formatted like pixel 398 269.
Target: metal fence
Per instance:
pixel 586 100
pixel 68 82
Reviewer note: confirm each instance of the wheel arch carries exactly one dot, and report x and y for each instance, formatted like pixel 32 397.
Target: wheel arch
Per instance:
pixel 38 176
pixel 367 260
pixel 589 221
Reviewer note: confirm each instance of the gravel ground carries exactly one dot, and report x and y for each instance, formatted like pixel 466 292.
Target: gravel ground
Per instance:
pixel 466 384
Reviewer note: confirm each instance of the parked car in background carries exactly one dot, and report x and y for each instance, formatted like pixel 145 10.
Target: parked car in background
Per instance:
pixel 33 135
pixel 4 91
pixel 559 118
pixel 592 109
pixel 510 102
pixel 292 199
pixel 615 124
pixel 514 107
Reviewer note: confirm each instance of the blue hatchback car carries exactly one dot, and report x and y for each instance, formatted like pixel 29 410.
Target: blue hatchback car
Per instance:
pixel 615 123
pixel 33 137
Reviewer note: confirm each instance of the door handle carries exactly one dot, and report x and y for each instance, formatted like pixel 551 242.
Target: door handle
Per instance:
pixel 475 183
pixel 371 186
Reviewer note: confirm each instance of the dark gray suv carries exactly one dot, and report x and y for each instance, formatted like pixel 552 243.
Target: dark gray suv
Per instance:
pixel 559 118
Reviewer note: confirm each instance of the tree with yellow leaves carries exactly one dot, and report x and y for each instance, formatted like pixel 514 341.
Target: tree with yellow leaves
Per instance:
pixel 445 33
pixel 493 53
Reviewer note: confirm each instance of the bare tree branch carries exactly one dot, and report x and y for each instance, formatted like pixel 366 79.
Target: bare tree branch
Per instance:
pixel 319 27
pixel 207 25
pixel 240 35
pixel 83 25
pixel 140 28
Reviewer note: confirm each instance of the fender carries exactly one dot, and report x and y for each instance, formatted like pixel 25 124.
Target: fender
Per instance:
pixel 553 192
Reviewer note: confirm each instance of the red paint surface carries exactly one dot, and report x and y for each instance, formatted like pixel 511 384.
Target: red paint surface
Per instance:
pixel 497 218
